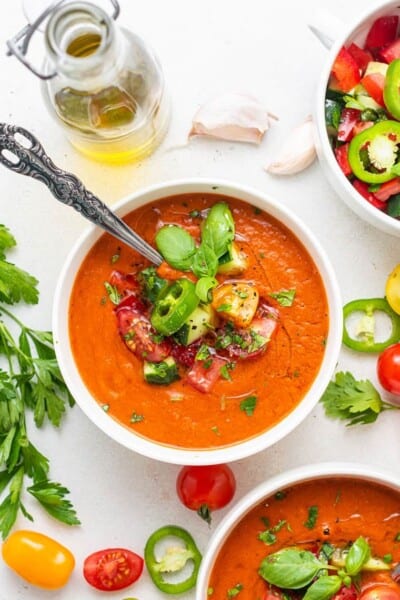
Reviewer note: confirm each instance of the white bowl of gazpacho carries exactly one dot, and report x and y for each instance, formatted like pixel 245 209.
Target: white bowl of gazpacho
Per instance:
pixel 219 352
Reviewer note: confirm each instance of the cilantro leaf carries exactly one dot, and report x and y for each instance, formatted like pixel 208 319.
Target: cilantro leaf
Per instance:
pixel 357 402
pixel 7 240
pixel 51 497
pixel 284 297
pixel 17 285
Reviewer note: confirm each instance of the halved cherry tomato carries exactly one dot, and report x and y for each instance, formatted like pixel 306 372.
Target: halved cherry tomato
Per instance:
pixel 124 282
pixel 381 591
pixel 362 57
pixel 388 369
pixel 346 593
pixel 341 153
pixel 346 70
pixel 204 373
pixel 374 84
pixel 382 32
pixel 205 489
pixel 38 559
pixel 112 569
pixel 387 189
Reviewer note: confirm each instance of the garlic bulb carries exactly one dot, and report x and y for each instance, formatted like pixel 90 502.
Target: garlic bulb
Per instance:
pixel 297 153
pixel 232 116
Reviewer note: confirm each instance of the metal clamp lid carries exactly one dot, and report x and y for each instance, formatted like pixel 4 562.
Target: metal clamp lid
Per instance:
pixel 18 45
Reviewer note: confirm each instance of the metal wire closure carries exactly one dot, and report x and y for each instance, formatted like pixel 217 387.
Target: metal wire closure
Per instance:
pixel 18 45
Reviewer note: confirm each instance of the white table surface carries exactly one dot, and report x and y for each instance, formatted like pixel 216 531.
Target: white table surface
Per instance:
pixel 258 46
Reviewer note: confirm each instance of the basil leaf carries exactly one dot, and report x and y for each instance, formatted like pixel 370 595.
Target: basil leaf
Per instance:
pixel 324 588
pixel 218 228
pixel 357 556
pixel 290 568
pixel 176 245
pixel 203 288
pixel 205 262
pixel 284 297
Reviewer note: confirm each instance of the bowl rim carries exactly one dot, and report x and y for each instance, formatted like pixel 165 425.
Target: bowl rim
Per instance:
pixel 351 197
pixel 173 454
pixel 270 486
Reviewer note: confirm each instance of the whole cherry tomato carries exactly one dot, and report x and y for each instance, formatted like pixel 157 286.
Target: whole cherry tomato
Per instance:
pixel 381 591
pixel 205 489
pixel 38 559
pixel 388 369
pixel 112 569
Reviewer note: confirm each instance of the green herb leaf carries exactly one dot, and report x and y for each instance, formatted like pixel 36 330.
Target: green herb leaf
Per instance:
pixel 312 517
pixel 324 588
pixel 205 261
pixel 17 285
pixel 112 292
pixel 284 297
pixel 152 284
pixel 290 568
pixel 358 555
pixel 7 240
pixel 51 496
pixel 248 405
pixel 203 288
pixel 233 592
pixel 177 246
pixel 353 401
pixel 268 536
pixel 218 229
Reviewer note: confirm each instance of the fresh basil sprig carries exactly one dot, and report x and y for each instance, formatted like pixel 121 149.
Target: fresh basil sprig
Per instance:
pixel 291 568
pixel 359 553
pixel 218 229
pixel 177 246
pixel 324 588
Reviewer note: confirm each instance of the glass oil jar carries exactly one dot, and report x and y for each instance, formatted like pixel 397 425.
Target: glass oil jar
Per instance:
pixel 108 89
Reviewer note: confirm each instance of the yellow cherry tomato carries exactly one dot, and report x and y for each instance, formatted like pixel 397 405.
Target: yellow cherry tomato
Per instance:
pixel 38 559
pixel 393 289
pixel 236 301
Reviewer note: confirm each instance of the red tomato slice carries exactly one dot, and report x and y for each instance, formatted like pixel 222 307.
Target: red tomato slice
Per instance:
pixel 362 188
pixel 391 52
pixel 348 119
pixel 374 84
pixel 346 70
pixel 381 591
pixel 124 282
pixel 185 355
pixel 203 376
pixel 382 32
pixel 388 369
pixel 112 569
pixel 362 57
pixel 387 189
pixel 213 485
pixel 342 157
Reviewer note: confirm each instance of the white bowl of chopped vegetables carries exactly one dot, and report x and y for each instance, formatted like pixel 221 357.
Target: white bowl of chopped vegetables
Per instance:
pixel 357 117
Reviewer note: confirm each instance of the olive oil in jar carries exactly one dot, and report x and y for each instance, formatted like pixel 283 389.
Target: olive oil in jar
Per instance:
pixel 109 91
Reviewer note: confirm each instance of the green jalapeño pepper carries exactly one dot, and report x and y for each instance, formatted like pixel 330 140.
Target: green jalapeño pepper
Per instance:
pixel 365 331
pixel 174 559
pixel 391 88
pixel 173 306
pixel 373 152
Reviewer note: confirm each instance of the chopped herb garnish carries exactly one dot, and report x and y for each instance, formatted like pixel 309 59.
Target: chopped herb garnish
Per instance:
pixel 224 307
pixel 397 537
pixel 257 211
pixel 129 335
pixel 115 258
pixel 157 338
pixel 106 407
pixel 112 293
pixel 194 214
pixel 327 550
pixel 224 370
pixel 203 352
pixel 312 517
pixel 296 374
pixel 207 363
pixel 284 297
pixel 257 341
pixel 103 300
pixel 387 558
pixel 269 535
pixel 281 495
pixel 135 418
pixel 243 295
pixel 266 522
pixel 210 591
pixel 261 254
pixel 215 430
pixel 248 405
pixel 234 591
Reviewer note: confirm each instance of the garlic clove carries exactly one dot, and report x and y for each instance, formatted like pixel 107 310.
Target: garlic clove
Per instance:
pixel 297 153
pixel 232 116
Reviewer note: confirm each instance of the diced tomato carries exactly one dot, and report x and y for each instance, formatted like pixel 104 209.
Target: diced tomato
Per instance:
pixel 136 331
pixel 185 355
pixel 362 188
pixel 388 189
pixel 123 282
pixel 346 70
pixel 361 126
pixel 202 376
pixel 167 272
pixel 374 84
pixel 362 57
pixel 348 119
pixel 391 52
pixel 131 301
pixel 342 157
pixel 347 593
pixel 382 32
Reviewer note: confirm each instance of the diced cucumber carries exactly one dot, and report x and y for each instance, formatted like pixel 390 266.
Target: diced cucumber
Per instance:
pixel 338 559
pixel 202 319
pixel 376 67
pixel 161 373
pixel 333 111
pixel 393 206
pixel 336 95
pixel 233 262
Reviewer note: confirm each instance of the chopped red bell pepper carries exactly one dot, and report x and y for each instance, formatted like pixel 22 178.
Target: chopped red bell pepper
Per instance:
pixel 348 119
pixel 388 189
pixel 382 32
pixel 374 84
pixel 341 153
pixel 346 70
pixel 362 188
pixel 362 57
pixel 361 126
pixel 391 52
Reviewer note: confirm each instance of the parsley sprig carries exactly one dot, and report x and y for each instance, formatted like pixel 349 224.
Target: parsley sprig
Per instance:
pixel 357 402
pixel 30 379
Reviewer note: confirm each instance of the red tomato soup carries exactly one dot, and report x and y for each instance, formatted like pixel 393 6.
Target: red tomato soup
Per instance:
pixel 326 515
pixel 251 394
